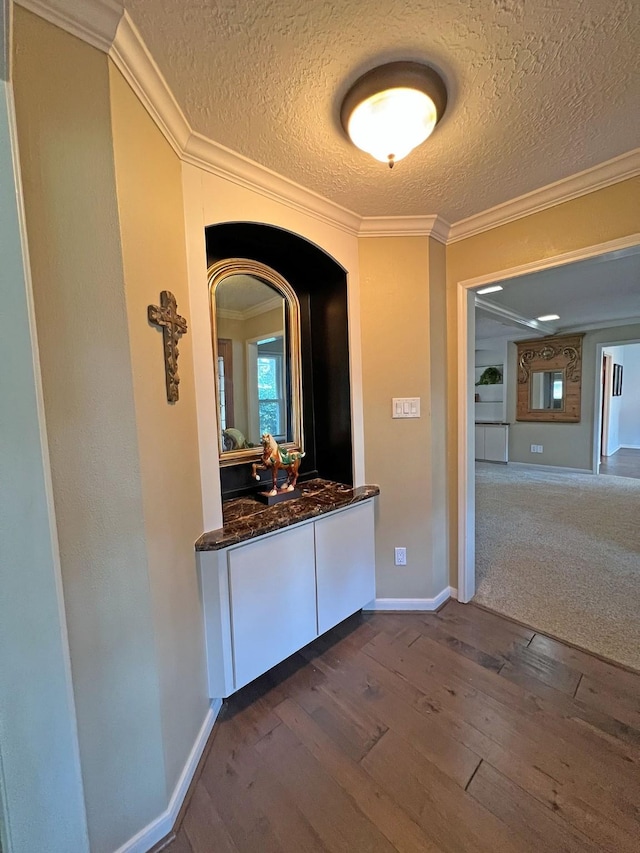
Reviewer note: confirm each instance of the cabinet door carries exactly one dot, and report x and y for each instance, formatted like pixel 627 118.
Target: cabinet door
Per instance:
pixel 495 443
pixel 272 589
pixel 480 442
pixel 345 564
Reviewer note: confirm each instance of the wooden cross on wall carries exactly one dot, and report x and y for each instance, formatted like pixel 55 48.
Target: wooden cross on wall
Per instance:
pixel 173 325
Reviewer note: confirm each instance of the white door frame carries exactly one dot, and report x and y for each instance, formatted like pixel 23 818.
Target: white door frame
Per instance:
pixel 466 363
pixel 597 417
pixel 603 401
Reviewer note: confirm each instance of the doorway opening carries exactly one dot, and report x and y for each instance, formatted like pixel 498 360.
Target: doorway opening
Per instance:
pixel 564 452
pixel 617 446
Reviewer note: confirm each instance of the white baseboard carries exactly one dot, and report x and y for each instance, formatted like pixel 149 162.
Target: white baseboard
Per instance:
pixel 559 469
pixel 606 455
pixel 413 603
pixel 629 447
pixel 163 824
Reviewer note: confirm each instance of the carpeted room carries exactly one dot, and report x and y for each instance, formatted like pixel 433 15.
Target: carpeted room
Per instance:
pixel 561 551
pixel 556 546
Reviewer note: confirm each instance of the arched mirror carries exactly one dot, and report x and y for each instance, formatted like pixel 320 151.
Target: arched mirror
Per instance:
pixel 255 317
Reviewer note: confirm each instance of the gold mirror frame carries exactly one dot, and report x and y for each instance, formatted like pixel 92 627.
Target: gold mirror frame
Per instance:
pixel 216 274
pixel 562 353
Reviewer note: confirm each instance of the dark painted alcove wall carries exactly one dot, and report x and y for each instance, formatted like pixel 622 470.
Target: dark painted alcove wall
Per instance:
pixel 320 284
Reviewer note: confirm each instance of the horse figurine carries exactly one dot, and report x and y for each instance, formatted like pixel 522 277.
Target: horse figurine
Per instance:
pixel 276 457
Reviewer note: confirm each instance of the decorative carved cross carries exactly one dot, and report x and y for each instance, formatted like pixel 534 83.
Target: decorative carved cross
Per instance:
pixel 173 325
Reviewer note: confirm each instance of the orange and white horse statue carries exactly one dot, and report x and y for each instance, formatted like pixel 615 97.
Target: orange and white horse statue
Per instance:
pixel 274 458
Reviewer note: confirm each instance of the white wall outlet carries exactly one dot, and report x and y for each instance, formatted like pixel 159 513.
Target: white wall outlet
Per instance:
pixel 405 407
pixel 540 448
pixel 401 556
pixel 534 448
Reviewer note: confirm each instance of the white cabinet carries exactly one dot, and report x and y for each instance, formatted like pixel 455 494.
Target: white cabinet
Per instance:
pixel 273 602
pixel 345 554
pixel 266 598
pixel 492 442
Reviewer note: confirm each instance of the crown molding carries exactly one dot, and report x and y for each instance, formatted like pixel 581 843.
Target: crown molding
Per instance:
pixel 604 175
pixel 404 226
pixel 513 317
pixel 250 313
pixel 104 25
pixel 219 160
pixel 131 56
pixel 93 21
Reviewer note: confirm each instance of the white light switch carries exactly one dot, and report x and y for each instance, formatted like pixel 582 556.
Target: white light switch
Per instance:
pixel 405 407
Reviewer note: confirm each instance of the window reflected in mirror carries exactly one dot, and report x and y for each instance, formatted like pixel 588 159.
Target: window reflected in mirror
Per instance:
pixel 547 390
pixel 255 319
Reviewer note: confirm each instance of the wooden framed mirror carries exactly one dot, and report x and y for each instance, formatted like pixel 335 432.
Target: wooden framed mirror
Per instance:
pixel 550 379
pixel 255 321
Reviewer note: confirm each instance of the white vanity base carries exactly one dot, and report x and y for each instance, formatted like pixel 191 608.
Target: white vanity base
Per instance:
pixel 266 598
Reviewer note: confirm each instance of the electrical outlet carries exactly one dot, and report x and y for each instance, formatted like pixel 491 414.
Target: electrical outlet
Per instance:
pixel 534 448
pixel 540 448
pixel 401 556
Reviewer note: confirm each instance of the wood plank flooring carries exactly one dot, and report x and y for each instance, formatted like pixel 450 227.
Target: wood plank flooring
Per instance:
pixel 623 463
pixel 455 732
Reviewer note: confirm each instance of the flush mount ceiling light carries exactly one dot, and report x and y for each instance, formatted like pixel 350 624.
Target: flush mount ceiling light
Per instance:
pixel 546 317
pixel 393 108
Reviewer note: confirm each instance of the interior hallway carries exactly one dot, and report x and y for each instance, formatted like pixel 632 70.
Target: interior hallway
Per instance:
pixel 451 732
pixel 561 552
pixel 624 463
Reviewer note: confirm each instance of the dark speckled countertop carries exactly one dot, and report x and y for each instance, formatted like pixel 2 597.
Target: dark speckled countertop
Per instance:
pixel 246 518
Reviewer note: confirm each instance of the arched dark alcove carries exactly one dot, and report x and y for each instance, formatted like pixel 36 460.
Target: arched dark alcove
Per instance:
pixel 321 286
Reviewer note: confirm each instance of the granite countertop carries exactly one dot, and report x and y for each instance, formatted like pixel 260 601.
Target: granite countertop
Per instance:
pixel 245 518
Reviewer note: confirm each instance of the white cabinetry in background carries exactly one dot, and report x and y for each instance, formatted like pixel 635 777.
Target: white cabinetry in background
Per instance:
pixel 266 598
pixel 492 442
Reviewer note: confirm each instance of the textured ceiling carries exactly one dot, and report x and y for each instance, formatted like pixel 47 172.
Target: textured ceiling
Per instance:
pixel 244 293
pixel 538 90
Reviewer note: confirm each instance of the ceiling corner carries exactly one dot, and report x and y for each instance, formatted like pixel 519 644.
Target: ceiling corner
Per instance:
pixel 405 226
pixel 93 21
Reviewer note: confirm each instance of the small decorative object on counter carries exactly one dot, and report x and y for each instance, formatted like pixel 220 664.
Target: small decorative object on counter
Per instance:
pixel 274 458
pixel 490 376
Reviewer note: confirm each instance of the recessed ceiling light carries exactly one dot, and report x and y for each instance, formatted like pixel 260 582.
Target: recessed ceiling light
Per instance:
pixel 546 317
pixel 493 289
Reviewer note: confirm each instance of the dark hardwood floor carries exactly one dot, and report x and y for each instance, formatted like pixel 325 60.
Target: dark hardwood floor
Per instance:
pixel 624 463
pixel 457 732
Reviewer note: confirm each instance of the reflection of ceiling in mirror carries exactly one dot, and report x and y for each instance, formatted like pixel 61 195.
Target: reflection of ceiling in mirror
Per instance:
pixel 239 297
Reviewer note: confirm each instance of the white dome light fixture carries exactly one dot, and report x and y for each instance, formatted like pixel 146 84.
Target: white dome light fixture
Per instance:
pixel 393 108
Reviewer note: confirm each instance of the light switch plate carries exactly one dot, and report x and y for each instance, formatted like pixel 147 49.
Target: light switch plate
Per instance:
pixel 405 407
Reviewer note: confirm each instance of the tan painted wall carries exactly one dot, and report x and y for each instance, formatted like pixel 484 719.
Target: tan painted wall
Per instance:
pixel 394 274
pixel 64 123
pixel 565 445
pixel 149 188
pixel 595 218
pixel 439 392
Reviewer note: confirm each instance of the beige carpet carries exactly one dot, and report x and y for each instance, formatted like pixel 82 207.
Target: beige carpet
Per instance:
pixel 561 552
